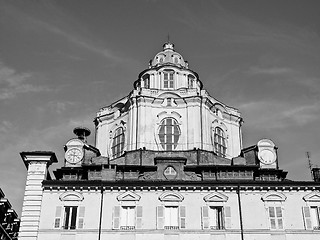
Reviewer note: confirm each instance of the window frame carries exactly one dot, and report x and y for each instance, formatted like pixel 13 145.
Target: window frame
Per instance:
pixel 146 81
pixel 220 142
pixel 125 212
pixel 276 218
pixel 70 214
pixel 162 214
pixel 168 79
pixel 70 217
pixel 219 217
pixel 191 80
pixel 118 141
pixel 169 134
pixel 316 217
pixel 311 222
pixel 119 211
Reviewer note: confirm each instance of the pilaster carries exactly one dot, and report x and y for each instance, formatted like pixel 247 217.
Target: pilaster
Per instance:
pixel 37 164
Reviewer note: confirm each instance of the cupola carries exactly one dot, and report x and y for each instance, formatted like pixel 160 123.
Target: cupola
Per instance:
pixel 168 57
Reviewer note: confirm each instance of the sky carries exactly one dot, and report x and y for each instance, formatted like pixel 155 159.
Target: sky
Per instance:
pixel 61 61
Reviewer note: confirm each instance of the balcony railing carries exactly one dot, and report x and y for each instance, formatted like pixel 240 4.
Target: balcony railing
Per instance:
pixel 128 228
pixel 171 227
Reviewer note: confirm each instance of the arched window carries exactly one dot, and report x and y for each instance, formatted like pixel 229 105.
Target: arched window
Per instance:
pixel 168 79
pixel 190 81
pixel 117 143
pixel 146 81
pixel 220 146
pixel 169 133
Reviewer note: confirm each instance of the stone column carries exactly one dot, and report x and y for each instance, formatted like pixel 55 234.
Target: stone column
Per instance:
pixel 37 164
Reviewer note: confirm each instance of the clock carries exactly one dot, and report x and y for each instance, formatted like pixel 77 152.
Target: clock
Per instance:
pixel 74 155
pixel 266 156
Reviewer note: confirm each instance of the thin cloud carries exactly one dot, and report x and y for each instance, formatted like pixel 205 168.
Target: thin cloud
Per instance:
pixel 13 83
pixel 78 40
pixel 59 107
pixel 278 115
pixel 61 24
pixel 236 28
pixel 270 70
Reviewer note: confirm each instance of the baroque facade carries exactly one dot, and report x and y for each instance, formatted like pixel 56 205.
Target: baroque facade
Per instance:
pixel 167 163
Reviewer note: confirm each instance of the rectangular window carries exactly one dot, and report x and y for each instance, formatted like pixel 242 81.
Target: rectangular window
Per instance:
pixel 70 217
pixel 146 82
pixel 127 217
pixel 213 217
pixel 171 217
pixel 275 217
pixel 190 81
pixel 168 80
pixel 171 220
pixel 315 217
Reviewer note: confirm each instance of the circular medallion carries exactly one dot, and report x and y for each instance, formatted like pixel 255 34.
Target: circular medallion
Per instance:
pixel 267 156
pixel 74 155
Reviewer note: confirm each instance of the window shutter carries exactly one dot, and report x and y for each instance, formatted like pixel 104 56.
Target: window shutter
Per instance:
pixel 139 217
pixel 227 217
pixel 160 217
pixel 57 219
pixel 182 216
pixel 205 217
pixel 116 217
pixel 307 218
pixel 81 217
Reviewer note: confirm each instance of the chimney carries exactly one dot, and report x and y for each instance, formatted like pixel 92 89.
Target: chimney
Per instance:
pixel 316 174
pixel 82 133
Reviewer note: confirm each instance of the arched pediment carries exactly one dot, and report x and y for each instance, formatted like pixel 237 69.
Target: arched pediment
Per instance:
pixel 168 94
pixel 215 197
pixel 172 114
pixel 218 123
pixel 274 196
pixel 71 196
pixel 312 197
pixel 128 196
pixel 220 107
pixel 171 197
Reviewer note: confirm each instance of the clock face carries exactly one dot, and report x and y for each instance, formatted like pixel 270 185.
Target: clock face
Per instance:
pixel 74 155
pixel 266 156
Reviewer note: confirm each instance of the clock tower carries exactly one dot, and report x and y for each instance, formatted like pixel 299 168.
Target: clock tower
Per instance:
pixel 267 153
pixel 77 150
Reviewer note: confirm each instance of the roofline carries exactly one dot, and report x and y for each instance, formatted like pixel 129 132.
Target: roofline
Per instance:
pixel 185 184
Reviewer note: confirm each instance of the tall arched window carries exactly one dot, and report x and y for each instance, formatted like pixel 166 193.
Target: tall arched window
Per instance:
pixel 190 81
pixel 117 143
pixel 146 81
pixel 220 146
pixel 169 133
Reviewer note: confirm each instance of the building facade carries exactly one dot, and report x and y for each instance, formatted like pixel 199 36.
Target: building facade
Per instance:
pixel 9 221
pixel 167 163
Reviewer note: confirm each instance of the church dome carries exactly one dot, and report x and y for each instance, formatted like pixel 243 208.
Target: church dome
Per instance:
pixel 168 57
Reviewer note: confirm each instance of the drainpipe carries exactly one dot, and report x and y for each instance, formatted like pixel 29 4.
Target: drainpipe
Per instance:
pixel 240 212
pixel 137 122
pixel 201 130
pixel 100 220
